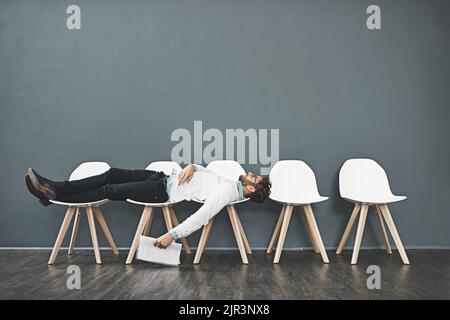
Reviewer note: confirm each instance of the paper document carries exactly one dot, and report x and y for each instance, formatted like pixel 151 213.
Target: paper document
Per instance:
pixel 148 252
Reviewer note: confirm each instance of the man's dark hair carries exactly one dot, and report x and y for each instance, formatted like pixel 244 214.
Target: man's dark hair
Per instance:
pixel 262 190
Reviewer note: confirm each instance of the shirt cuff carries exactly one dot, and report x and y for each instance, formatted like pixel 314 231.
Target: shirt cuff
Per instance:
pixel 199 167
pixel 174 234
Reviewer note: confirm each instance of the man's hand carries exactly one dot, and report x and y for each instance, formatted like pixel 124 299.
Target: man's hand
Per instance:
pixel 186 174
pixel 164 241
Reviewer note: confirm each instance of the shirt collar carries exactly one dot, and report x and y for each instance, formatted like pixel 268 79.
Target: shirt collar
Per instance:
pixel 240 190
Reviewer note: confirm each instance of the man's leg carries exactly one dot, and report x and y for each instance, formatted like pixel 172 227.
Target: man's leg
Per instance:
pixel 150 190
pixel 112 176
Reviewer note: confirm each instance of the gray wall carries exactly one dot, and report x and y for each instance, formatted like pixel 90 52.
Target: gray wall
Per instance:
pixel 137 70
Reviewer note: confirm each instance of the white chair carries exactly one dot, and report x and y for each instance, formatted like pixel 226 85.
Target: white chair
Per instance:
pixel 364 183
pixel 229 169
pixel 294 184
pixel 147 215
pixel 84 170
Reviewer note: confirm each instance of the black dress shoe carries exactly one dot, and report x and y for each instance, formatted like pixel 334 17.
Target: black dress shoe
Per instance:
pixel 42 185
pixel 42 199
pixel 43 180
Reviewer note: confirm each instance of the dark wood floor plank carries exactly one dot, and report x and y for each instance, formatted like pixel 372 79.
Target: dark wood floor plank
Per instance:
pixel 221 275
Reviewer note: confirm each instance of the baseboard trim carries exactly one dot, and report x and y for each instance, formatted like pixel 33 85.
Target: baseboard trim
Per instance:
pixel 235 248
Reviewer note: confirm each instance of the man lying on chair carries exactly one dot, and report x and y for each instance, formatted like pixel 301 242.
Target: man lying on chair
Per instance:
pixel 194 182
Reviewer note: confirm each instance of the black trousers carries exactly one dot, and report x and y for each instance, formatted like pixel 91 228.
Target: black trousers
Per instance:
pixel 114 184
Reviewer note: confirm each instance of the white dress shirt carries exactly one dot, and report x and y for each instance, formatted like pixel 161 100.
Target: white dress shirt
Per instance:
pixel 216 192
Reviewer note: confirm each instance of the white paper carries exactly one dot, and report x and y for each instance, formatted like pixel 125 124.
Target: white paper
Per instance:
pixel 148 252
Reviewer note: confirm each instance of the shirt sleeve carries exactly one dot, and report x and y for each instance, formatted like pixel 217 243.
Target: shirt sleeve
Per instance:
pixel 199 167
pixel 201 217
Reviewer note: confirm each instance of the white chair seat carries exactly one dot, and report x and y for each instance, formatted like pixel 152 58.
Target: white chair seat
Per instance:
pixel 294 182
pixel 153 204
pixel 83 204
pixel 231 203
pixel 240 201
pixel 365 181
pixel 377 200
pixel 298 200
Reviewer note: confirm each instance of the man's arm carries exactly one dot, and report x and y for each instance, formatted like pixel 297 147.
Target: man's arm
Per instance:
pixel 198 167
pixel 188 172
pixel 201 217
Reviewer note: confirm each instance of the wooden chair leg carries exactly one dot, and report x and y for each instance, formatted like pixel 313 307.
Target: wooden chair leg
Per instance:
pixel 315 232
pixel 276 231
pixel 167 219
pixel 283 232
pixel 310 233
pixel 61 234
pixel 76 224
pixel 391 226
pixel 202 242
pixel 142 223
pixel 237 234
pixel 209 229
pixel 91 221
pixel 175 222
pixel 359 232
pixel 349 227
pixel 104 226
pixel 241 230
pixel 149 224
pixel 383 229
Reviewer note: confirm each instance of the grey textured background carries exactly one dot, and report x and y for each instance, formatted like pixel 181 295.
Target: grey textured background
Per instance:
pixel 137 70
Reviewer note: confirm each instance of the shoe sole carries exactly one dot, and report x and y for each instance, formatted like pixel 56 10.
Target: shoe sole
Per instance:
pixel 47 192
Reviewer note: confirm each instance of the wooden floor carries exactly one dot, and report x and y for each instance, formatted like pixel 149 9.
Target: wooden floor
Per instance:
pixel 221 275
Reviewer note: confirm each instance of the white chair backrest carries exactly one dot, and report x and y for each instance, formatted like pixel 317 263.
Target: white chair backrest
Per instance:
pixel 291 178
pixel 362 179
pixel 228 169
pixel 89 169
pixel 164 166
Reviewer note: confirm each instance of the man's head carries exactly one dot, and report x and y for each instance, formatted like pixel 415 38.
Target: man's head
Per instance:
pixel 255 187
